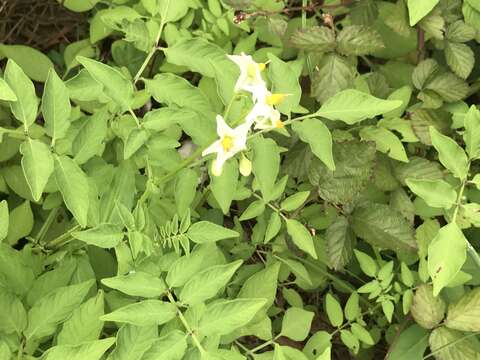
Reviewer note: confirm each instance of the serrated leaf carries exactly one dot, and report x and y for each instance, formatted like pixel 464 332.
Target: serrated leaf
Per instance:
pixel 427 310
pixel 446 256
pixel 318 137
pixel 143 313
pixel 464 314
pixel 384 227
pixel 436 193
pixel 340 240
pixel 450 345
pixel 314 38
pixel 352 106
pixel 358 40
pixel 460 58
pixel 449 87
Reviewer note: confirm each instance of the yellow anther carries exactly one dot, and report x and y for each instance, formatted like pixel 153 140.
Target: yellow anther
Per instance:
pixel 275 99
pixel 279 124
pixel 262 66
pixel 227 143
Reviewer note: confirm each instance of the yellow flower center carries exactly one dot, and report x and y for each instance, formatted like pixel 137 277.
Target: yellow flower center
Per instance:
pixel 275 99
pixel 279 124
pixel 252 71
pixel 227 143
pixel 262 66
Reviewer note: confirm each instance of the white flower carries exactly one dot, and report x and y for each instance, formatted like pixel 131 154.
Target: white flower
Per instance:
pixel 263 114
pixel 250 78
pixel 231 142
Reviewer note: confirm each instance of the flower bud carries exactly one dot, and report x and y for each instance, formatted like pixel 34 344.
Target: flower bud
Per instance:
pixel 245 166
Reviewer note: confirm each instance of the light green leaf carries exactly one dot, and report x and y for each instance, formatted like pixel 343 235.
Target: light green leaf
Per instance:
pixel 412 343
pixel 20 222
pixel 37 165
pixel 84 324
pixel 352 106
pixel 460 58
pixel 54 308
pixel 367 264
pixel 79 5
pixel 427 310
pixel 352 307
pixel 135 140
pixel 137 283
pixel 297 268
pixel 169 10
pixel 171 346
pixel 56 107
pixel 73 184
pixel 115 85
pixel 26 106
pixel 262 285
pixel 15 274
pixel 207 283
pixel 133 341
pixel 223 317
pixel 185 190
pixel 446 256
pixel 266 165
pixel 334 310
pixel 143 313
pixel 13 317
pixel 417 10
pixel 362 334
pixel 314 38
pixel 386 142
pixel 318 137
pixel 92 350
pixel 255 209
pixel 472 132
pixel 436 193
pixel 449 87
pixel 4 219
pixel 273 227
pixel 450 154
pixel 464 315
pixel 223 186
pixel 450 344
pixel 301 237
pixel 294 201
pixel 358 40
pixel 6 93
pixel 90 138
pixel 296 323
pixel 205 231
pixel 33 62
pixel 105 236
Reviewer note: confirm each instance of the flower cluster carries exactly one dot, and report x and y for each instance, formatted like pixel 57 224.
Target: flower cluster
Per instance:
pixel 263 115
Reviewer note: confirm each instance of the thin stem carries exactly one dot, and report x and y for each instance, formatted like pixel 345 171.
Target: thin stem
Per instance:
pixel 185 324
pixel 62 239
pixel 349 322
pixel 46 225
pixel 152 51
pixel 271 206
pixel 134 116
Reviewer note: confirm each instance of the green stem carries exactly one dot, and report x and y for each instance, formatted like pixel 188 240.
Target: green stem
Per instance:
pixel 151 53
pixel 186 325
pixel 134 116
pixel 349 322
pixel 46 225
pixel 62 239
pixel 271 206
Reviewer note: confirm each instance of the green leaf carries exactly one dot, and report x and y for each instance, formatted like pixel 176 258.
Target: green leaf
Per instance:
pixel 334 74
pixel 135 140
pixel 79 5
pixel 6 93
pixel 352 106
pixel 13 317
pixel 352 307
pixel 417 10
pixel 137 284
pixel 362 334
pixel 92 350
pixel 472 132
pixel 297 269
pixel 73 184
pixel 460 58
pixel 4 219
pixel 273 227
pixel 284 81
pixel 223 186
pixel 37 165
pixel 436 193
pixel 185 190
pixel 367 264
pixel 386 142
pixel 427 310
pixel 294 201
pixel 133 341
pixel 334 310
pixel 266 165
pixel 262 285
pixel 84 324
pixel 91 136
pixel 20 222
pixel 340 240
pixel 205 232
pixel 105 236
pixel 449 344
pixel 171 346
pixel 207 283
pixel 463 314
pixel 56 107
pixel 301 237
pixel 449 87
pixel 223 317
pixel 450 154
pixel 54 308
pixel 143 313
pixel 255 209
pixel 15 274
pixel 314 38
pixel 446 256
pixel 460 32
pixel 26 106
pixel 358 40
pixel 169 10
pixel 115 85
pixel 411 344
pixel 296 323
pixel 318 137
pixel 33 62
pixel 384 227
